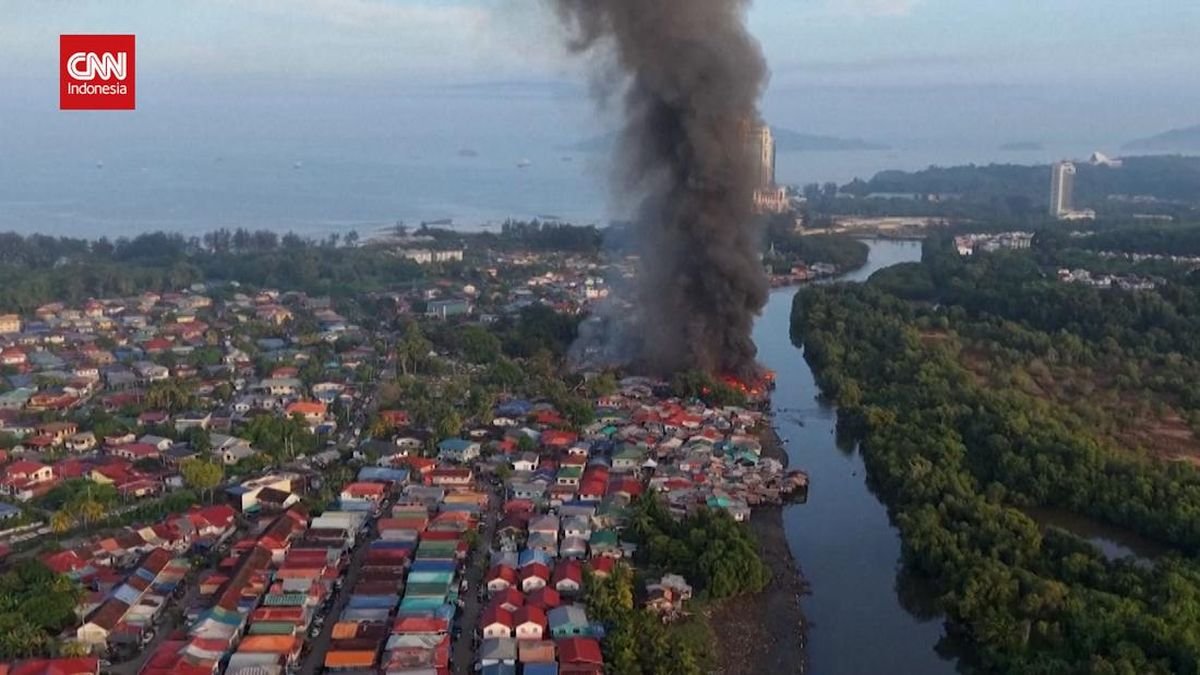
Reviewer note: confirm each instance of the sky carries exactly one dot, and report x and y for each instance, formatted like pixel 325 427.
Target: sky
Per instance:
pixel 849 42
pixel 916 72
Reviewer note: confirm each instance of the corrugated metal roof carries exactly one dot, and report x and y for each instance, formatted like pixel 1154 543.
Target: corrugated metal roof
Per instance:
pixel 350 659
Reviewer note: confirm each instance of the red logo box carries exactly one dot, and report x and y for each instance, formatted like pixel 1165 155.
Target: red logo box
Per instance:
pixel 96 72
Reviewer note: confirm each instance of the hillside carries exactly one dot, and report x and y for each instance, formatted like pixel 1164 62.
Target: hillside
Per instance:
pixel 1186 139
pixel 786 140
pixel 1163 177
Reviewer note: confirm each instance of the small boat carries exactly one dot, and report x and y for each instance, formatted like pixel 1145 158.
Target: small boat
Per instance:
pixel 524 164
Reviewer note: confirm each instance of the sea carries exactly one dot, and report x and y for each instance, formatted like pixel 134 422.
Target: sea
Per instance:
pixel 125 192
pixel 335 160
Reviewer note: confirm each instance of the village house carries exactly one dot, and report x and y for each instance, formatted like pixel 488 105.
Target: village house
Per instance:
pixel 526 462
pixel 312 412
pixel 451 478
pixel 81 442
pixel 667 596
pixel 281 387
pixel 568 621
pixel 10 323
pixel 534 576
pixel 568 578
pixel 192 420
pixel 57 431
pixel 500 578
pixel 529 623
pixel 25 479
pixel 458 450
pixel 496 622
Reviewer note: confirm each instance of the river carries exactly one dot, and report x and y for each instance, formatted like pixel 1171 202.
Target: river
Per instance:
pixel 865 617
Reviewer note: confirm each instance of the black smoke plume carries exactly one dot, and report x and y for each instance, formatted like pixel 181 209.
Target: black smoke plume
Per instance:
pixel 690 75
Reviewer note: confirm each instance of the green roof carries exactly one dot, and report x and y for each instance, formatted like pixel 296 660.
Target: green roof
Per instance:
pixel 630 452
pixel 284 600
pixel 272 628
pixel 570 471
pixel 603 537
pixel 426 590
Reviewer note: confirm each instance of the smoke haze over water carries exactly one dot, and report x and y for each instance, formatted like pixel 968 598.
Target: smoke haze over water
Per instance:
pixel 690 76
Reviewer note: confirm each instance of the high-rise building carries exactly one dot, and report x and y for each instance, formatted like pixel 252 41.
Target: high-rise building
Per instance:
pixel 761 146
pixel 1062 189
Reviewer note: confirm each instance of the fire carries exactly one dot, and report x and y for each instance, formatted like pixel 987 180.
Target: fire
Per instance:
pixel 755 387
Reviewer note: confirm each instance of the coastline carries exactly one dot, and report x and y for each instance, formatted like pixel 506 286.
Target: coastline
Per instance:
pixel 765 632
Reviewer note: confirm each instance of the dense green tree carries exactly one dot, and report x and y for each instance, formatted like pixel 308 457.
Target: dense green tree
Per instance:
pixel 202 476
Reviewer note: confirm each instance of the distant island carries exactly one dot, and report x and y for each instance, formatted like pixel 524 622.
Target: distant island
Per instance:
pixel 794 141
pixel 1186 139
pixel 1022 146
pixel 785 141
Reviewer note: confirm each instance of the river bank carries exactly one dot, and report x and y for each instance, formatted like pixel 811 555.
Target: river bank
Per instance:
pixel 842 537
pixel 765 632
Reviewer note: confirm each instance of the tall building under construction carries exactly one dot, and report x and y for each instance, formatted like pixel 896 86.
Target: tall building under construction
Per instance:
pixel 760 145
pixel 1062 189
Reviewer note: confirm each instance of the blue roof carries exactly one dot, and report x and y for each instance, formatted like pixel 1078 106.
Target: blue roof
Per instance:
pixel 455 444
pixel 381 473
pixel 372 601
pixel 433 566
pixel 6 509
pixel 502 669
pixel 531 556
pixel 516 407
pixel 541 669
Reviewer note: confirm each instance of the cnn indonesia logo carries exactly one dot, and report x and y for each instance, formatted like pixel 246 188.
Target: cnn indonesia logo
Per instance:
pixel 96 72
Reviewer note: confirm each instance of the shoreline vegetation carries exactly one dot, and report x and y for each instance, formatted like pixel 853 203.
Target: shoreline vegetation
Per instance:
pixel 766 632
pixel 977 415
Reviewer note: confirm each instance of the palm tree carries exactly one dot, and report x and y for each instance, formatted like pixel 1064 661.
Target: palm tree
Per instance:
pixel 61 521
pixel 89 510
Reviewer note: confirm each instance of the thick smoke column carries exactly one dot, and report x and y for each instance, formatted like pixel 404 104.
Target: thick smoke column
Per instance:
pixel 691 79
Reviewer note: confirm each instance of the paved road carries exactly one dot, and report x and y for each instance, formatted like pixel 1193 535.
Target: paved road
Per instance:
pixel 463 649
pixel 314 661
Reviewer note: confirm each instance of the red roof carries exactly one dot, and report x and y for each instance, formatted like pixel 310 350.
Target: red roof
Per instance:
pixel 306 408
pixel 529 614
pixel 420 465
pixel 518 506
pixel 548 417
pixel 396 418
pixel 23 467
pixel 535 571
pixel 158 344
pixel 220 516
pixel 63 562
pixel 76 666
pixel 364 490
pixel 594 487
pixel 494 614
pixel 559 439
pixel 138 450
pixel 510 596
pixel 547 598
pixel 629 486
pixel 70 468
pixel 579 650
pixel 501 572
pixel 410 625
pixel 601 565
pixel 568 570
